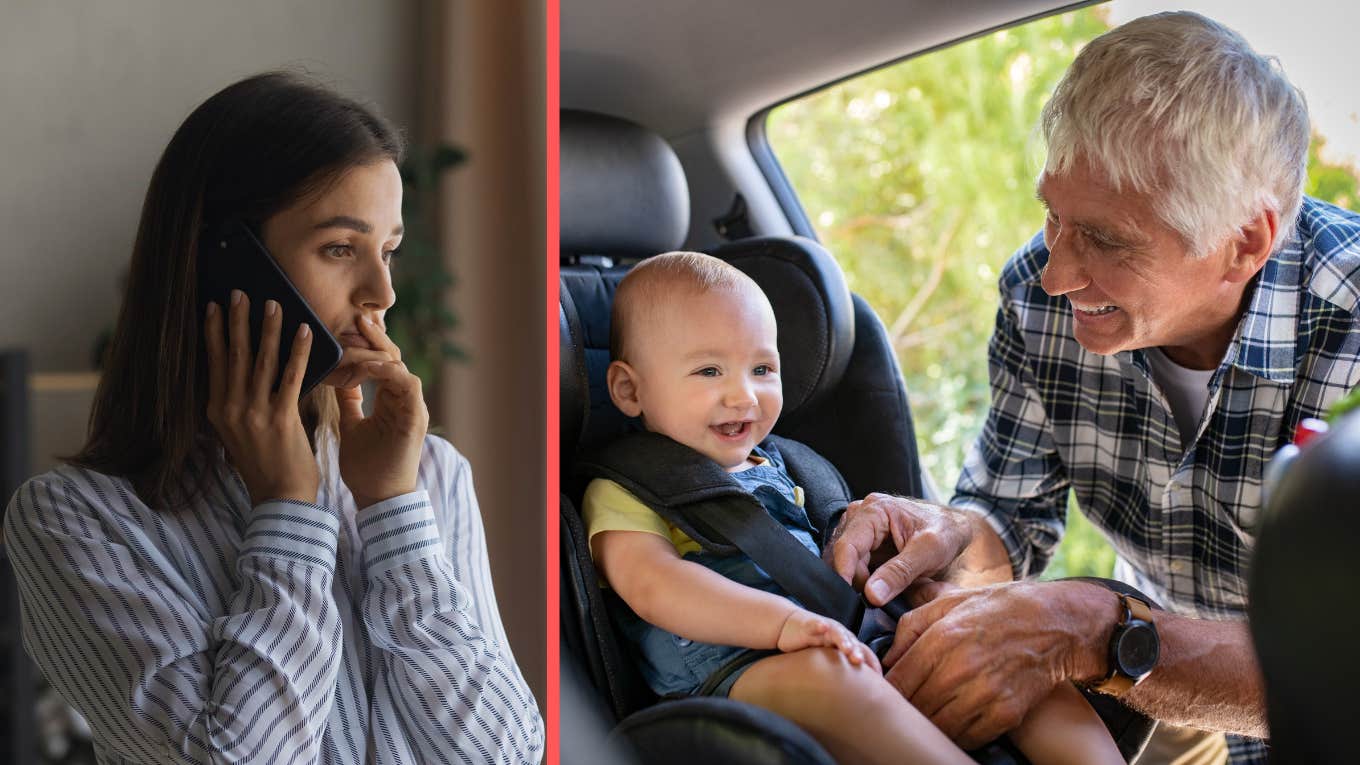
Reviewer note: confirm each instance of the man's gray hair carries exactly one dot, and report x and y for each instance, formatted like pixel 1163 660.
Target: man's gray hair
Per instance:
pixel 1179 107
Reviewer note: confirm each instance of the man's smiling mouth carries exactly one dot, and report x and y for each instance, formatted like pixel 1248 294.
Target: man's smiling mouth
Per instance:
pixel 1101 311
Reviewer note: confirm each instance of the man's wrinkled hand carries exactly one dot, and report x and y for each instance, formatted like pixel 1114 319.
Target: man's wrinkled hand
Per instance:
pixel 976 660
pixel 926 539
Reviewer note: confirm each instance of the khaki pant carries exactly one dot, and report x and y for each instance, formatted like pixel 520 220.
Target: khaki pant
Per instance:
pixel 1172 745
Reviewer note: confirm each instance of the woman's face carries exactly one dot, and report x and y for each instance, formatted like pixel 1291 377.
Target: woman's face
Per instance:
pixel 337 247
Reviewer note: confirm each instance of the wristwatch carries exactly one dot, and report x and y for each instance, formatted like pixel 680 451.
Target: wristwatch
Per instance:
pixel 1134 648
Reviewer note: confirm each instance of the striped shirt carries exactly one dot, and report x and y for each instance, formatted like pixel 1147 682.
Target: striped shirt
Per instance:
pixel 1183 519
pixel 288 633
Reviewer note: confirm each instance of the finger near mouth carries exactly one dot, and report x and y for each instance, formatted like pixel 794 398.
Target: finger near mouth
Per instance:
pixel 353 340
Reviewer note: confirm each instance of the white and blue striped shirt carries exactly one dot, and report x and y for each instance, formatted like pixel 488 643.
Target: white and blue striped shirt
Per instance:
pixel 288 633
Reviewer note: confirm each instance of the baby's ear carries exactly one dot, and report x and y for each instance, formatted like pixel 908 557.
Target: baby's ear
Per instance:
pixel 623 388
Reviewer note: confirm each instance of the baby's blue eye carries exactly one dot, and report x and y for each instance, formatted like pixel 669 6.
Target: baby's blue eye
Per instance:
pixel 762 370
pixel 708 372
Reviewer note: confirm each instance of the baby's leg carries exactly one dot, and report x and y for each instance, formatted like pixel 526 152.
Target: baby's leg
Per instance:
pixel 852 711
pixel 1064 729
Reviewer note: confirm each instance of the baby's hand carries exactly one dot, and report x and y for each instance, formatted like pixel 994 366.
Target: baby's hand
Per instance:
pixel 804 629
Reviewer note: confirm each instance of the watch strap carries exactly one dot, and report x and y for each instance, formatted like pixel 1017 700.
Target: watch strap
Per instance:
pixel 1117 683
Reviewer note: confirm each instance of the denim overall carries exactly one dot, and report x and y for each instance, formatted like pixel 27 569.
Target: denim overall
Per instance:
pixel 673 665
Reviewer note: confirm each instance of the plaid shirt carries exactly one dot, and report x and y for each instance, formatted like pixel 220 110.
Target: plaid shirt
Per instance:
pixel 1064 418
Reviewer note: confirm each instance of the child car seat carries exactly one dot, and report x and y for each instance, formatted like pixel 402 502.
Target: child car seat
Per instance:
pixel 623 198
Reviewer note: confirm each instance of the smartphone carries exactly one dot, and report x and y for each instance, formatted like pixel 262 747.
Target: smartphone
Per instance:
pixel 231 257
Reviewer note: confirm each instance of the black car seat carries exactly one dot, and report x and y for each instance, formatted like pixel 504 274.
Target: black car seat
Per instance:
pixel 1302 577
pixel 623 198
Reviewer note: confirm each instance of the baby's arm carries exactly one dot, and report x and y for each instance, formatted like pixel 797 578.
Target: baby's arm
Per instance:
pixel 702 605
pixel 1064 729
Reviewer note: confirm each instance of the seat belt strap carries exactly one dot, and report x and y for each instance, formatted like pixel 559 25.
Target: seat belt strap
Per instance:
pixel 702 500
pixel 793 567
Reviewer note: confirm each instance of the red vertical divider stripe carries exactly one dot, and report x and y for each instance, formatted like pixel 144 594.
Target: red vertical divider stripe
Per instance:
pixel 552 424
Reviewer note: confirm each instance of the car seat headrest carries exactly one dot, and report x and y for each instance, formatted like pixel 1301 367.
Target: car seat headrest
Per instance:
pixel 812 306
pixel 622 189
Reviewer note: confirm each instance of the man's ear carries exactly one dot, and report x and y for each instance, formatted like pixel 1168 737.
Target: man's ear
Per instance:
pixel 621 380
pixel 1249 250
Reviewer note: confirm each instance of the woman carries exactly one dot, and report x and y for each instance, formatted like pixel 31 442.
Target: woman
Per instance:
pixel 225 574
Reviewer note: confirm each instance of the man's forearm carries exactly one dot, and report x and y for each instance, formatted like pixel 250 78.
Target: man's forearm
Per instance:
pixel 1206 677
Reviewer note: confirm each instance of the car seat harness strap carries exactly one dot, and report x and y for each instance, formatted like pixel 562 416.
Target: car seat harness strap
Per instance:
pixel 702 500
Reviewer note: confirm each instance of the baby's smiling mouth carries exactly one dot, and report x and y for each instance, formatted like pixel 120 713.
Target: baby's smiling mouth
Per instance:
pixel 733 429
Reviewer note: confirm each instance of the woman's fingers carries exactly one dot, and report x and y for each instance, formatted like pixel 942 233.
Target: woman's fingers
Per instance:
pixel 290 388
pixel 239 356
pixel 216 350
pixel 267 356
pixel 347 372
pixel 378 338
pixel 393 376
pixel 350 399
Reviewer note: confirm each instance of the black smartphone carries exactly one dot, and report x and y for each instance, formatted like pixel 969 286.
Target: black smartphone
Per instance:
pixel 231 257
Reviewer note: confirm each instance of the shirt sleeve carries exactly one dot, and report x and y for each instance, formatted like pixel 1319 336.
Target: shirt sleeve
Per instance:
pixel 608 506
pixel 448 675
pixel 111 623
pixel 1013 475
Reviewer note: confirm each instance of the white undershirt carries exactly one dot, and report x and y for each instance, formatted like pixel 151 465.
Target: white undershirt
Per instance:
pixel 1186 391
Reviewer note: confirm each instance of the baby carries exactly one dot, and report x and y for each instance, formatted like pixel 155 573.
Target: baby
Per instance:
pixel 694 356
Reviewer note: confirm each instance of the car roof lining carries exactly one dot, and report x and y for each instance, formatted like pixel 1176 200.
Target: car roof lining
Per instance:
pixel 678 68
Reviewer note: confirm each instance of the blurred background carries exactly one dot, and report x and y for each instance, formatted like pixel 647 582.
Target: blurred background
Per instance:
pixel 92 93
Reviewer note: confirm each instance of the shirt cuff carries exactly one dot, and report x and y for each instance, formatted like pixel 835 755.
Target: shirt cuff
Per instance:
pixel 398 530
pixel 293 530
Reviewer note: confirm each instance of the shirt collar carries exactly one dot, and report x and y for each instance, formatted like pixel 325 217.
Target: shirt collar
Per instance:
pixel 1264 344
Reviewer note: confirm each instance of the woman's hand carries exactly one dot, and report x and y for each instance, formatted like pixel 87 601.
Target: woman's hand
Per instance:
pixel 380 454
pixel 804 629
pixel 261 430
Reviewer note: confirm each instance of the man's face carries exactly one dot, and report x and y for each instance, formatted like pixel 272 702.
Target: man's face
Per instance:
pixel 707 372
pixel 1129 279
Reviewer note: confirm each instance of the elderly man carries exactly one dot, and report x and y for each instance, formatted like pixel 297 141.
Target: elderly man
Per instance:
pixel 1184 307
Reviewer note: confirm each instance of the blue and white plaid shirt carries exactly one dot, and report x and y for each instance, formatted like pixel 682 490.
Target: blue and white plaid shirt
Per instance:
pixel 1184 519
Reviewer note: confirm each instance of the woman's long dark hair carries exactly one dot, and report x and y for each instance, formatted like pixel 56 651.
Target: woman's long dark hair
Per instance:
pixel 250 151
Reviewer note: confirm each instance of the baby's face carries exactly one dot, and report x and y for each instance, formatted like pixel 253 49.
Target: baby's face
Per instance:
pixel 708 372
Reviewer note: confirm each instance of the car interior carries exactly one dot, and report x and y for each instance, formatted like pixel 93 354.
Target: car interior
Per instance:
pixel 662 148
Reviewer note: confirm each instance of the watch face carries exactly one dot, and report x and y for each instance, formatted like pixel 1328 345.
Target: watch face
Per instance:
pixel 1138 649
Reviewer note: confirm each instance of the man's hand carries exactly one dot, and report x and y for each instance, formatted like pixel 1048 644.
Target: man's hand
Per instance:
pixel 927 539
pixel 975 661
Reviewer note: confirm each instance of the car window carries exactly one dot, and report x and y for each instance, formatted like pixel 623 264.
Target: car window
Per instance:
pixel 919 178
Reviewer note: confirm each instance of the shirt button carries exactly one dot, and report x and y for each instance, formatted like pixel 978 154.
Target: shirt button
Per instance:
pixel 1179 567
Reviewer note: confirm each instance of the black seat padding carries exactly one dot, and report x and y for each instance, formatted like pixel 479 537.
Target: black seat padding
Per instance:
pixel 843 392
pixel 623 192
pixel 1302 600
